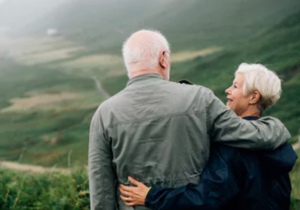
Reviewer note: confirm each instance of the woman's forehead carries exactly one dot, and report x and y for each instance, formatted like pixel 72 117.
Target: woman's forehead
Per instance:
pixel 239 78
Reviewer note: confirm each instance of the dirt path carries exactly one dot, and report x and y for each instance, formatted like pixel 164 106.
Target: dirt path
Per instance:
pixel 41 169
pixel 32 168
pixel 100 88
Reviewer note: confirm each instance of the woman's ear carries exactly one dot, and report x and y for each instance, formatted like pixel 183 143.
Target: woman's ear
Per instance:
pixel 255 97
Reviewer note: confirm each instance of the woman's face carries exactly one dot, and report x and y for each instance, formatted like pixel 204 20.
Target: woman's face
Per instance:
pixel 235 97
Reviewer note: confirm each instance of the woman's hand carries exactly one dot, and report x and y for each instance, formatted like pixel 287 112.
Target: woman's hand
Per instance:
pixel 134 196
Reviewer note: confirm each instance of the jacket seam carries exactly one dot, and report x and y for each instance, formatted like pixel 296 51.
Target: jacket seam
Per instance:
pixel 103 182
pixel 155 117
pixel 173 179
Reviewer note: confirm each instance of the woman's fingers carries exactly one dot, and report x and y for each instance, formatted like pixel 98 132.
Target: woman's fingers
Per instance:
pixel 124 192
pixel 130 191
pixel 133 196
pixel 126 188
pixel 128 201
pixel 133 181
pixel 130 204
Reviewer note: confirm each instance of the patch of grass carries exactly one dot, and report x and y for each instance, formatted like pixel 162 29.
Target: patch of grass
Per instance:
pixel 115 84
pixel 16 80
pixel 19 190
pixel 65 130
pixel 295 179
pixel 39 135
pixel 24 191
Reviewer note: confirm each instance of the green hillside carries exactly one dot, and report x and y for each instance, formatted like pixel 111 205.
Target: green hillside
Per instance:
pixel 71 191
pixel 278 48
pixel 196 24
pixel 188 25
pixel 47 85
pixel 52 118
pixel 103 25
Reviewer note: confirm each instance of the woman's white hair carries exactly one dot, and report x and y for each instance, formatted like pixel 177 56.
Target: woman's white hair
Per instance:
pixel 266 82
pixel 144 49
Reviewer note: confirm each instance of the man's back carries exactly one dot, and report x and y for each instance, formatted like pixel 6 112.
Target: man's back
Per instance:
pixel 159 132
pixel 158 129
pixel 152 128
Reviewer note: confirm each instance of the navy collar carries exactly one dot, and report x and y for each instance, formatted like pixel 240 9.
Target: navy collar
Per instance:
pixel 250 118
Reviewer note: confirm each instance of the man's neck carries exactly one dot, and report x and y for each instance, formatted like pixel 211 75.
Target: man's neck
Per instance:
pixel 140 68
pixel 141 72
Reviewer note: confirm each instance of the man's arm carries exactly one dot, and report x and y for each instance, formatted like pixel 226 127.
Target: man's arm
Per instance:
pixel 227 127
pixel 101 175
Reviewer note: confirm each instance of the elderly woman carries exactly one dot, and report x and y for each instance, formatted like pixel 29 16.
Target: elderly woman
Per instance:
pixel 234 178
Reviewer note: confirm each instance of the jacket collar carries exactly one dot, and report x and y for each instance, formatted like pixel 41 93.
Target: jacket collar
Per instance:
pixel 144 77
pixel 250 118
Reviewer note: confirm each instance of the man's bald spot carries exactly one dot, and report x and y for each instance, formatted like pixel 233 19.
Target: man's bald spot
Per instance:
pixel 146 50
pixel 142 38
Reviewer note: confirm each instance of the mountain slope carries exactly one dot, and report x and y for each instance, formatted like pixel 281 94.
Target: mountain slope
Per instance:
pixel 103 25
pixel 278 49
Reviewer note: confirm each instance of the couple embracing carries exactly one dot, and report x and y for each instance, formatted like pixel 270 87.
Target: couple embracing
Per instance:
pixel 164 145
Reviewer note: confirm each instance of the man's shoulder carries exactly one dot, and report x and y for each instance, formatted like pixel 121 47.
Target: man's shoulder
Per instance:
pixel 113 99
pixel 187 85
pixel 171 92
pixel 104 106
pixel 183 87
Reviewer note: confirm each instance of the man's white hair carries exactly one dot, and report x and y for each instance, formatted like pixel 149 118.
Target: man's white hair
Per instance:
pixel 266 82
pixel 145 49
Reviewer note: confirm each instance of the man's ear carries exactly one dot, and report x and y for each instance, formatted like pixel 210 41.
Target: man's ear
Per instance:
pixel 255 97
pixel 162 59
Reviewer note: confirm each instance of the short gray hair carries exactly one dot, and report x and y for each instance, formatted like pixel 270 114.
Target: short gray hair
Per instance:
pixel 147 51
pixel 266 82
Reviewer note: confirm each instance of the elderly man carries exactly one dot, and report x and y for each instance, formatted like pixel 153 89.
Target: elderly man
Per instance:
pixel 158 131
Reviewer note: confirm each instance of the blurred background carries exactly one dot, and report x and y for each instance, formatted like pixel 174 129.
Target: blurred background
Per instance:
pixel 60 59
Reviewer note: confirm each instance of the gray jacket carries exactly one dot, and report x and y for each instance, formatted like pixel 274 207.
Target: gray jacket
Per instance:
pixel 159 132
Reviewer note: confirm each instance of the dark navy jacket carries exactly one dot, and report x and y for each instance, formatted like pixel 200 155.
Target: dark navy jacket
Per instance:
pixel 234 179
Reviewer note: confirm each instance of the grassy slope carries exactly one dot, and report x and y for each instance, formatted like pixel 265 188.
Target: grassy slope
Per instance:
pixel 24 191
pixel 295 179
pixel 21 132
pixel 277 48
pixel 204 23
pixel 192 24
pixel 62 191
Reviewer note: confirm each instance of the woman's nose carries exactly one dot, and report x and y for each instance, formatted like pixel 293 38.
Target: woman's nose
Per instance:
pixel 227 91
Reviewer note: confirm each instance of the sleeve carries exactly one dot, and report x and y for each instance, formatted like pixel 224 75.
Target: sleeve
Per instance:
pixel 101 174
pixel 225 126
pixel 217 187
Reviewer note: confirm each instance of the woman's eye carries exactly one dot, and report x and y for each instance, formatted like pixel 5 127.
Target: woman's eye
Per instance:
pixel 235 86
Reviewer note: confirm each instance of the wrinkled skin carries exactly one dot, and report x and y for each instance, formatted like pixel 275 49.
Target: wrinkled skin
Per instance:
pixel 134 196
